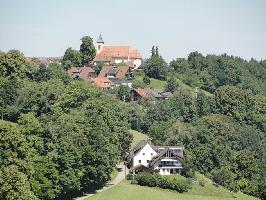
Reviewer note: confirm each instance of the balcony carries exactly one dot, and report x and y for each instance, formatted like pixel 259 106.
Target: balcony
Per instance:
pixel 170 166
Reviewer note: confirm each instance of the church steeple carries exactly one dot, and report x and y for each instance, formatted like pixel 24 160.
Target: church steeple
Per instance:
pixel 100 39
pixel 100 43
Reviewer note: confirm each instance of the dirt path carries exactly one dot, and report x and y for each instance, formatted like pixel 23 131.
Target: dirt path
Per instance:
pixel 120 176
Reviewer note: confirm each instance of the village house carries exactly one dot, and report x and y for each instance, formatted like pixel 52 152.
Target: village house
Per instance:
pixel 165 160
pixel 85 73
pixel 149 94
pixel 101 82
pixel 110 55
pixel 119 75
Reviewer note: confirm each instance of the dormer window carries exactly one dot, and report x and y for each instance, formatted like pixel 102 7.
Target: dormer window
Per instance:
pixel 143 154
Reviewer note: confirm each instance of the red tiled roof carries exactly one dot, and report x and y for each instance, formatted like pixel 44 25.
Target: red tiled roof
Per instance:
pixel 83 72
pixel 142 92
pixel 119 70
pixel 101 82
pixel 109 52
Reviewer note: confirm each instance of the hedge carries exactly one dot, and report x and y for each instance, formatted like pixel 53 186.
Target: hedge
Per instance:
pixel 165 182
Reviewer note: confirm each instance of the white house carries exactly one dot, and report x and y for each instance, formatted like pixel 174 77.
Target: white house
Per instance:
pixel 165 160
pixel 110 55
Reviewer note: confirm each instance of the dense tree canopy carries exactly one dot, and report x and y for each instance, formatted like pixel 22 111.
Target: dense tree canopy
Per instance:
pixel 211 71
pixel 58 136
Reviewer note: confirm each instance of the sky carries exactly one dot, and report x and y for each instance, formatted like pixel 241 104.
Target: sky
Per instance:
pixel 178 27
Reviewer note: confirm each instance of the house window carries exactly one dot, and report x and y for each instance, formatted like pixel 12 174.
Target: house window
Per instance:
pixel 143 154
pixel 139 161
pixel 151 154
pixel 148 161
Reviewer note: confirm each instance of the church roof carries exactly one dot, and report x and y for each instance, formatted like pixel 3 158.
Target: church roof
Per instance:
pixel 109 52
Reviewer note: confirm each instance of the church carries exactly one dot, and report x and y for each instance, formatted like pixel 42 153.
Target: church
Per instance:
pixel 111 55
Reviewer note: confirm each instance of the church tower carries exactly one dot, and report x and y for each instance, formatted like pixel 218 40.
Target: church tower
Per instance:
pixel 100 43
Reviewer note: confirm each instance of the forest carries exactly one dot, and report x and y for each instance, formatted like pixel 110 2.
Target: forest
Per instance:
pixel 60 136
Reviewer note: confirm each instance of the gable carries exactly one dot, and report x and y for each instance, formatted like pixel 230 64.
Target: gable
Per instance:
pixel 147 149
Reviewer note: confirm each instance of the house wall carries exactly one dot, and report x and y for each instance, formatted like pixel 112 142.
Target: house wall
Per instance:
pixel 167 169
pixel 137 62
pixel 120 60
pixel 146 153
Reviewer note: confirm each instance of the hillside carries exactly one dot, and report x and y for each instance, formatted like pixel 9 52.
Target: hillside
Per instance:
pixel 155 83
pixel 127 191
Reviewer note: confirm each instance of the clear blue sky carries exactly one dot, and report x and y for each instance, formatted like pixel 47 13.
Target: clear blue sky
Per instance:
pixel 48 27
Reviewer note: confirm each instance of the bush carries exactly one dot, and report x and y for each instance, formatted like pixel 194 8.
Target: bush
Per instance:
pixel 165 182
pixel 202 183
pixel 146 179
pixel 217 179
pixel 187 172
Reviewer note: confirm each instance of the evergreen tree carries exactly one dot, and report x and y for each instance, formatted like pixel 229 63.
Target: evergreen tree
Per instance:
pixel 152 51
pixel 157 52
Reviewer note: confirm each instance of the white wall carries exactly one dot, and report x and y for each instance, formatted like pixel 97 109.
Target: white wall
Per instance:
pixel 146 153
pixel 137 62
pixel 101 47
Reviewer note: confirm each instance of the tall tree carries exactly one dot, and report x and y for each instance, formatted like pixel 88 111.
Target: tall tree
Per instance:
pixel 87 50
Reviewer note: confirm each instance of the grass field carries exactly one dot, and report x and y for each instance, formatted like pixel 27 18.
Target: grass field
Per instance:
pixel 155 83
pixel 137 136
pixel 127 191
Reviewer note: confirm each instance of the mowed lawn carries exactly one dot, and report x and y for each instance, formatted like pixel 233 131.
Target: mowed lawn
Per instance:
pixel 127 191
